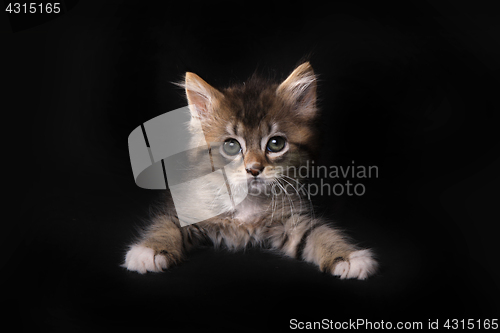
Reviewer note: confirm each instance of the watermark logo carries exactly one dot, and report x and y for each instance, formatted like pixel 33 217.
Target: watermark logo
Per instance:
pixel 171 150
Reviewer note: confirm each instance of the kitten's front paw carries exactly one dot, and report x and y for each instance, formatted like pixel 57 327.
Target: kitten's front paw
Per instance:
pixel 359 266
pixel 142 259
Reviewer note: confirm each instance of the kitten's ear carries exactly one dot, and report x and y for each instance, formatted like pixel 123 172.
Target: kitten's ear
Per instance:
pixel 300 89
pixel 200 95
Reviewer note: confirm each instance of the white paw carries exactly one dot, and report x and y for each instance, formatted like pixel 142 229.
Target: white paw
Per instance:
pixel 341 269
pixel 360 265
pixel 142 259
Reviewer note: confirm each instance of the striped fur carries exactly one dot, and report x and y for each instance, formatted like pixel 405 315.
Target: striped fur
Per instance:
pixel 282 220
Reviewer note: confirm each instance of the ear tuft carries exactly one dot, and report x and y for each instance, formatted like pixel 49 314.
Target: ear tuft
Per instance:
pixel 300 88
pixel 200 95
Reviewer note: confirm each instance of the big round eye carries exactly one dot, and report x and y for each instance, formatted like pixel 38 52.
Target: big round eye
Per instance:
pixel 276 144
pixel 231 147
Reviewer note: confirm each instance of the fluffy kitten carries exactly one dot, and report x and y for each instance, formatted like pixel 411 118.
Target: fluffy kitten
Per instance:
pixel 269 127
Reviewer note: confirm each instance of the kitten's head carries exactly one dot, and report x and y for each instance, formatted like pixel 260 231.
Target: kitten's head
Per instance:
pixel 268 127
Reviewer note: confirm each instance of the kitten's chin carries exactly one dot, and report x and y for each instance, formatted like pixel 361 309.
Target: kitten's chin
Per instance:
pixel 257 186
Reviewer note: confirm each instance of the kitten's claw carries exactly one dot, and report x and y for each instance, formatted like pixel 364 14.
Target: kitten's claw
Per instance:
pixel 360 265
pixel 142 259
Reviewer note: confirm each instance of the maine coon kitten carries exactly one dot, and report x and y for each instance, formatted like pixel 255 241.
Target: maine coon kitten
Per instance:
pixel 270 127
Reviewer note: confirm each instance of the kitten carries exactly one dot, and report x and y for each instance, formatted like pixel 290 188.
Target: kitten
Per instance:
pixel 263 129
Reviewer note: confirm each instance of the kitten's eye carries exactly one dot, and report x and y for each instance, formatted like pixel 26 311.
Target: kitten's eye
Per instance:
pixel 276 144
pixel 231 147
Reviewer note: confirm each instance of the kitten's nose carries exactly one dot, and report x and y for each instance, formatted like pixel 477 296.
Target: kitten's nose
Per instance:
pixel 255 169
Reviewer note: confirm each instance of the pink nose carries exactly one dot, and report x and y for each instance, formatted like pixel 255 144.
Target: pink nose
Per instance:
pixel 255 169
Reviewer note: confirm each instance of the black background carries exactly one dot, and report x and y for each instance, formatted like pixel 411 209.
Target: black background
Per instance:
pixel 409 86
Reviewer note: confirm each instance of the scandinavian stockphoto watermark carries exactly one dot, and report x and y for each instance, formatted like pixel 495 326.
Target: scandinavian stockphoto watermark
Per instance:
pixel 336 180
pixel 170 151
pixel 366 324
